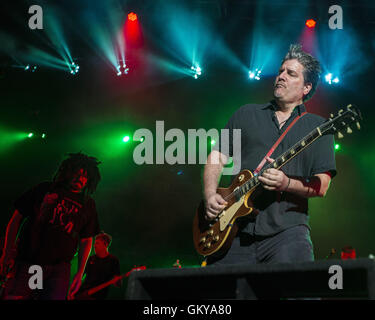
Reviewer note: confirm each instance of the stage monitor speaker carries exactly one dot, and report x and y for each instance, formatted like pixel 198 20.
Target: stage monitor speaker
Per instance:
pixel 276 281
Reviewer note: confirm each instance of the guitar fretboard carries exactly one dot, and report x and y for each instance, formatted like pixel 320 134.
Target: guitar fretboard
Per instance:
pixel 280 161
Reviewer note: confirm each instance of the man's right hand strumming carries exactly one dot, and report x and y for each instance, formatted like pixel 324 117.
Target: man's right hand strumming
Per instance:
pixel 215 204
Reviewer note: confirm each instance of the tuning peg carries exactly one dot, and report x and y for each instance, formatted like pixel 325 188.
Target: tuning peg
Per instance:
pixel 349 106
pixel 358 125
pixel 348 130
pixel 341 111
pixel 331 115
pixel 340 135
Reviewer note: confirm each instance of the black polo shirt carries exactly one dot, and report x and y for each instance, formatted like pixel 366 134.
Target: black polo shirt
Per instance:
pixel 259 131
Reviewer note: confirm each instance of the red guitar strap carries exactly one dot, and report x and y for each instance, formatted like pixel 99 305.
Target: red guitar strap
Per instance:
pixel 261 164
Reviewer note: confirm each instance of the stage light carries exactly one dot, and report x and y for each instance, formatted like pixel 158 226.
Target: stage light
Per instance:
pixel 337 147
pixel 30 68
pixel 310 23
pixel 43 135
pixel 126 139
pixel 213 142
pixel 122 69
pixel 197 71
pixel 255 74
pixel 132 16
pixel 330 79
pixel 74 68
pixel 30 135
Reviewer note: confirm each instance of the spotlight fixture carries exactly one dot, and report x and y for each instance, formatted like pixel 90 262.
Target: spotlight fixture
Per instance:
pixel 122 69
pixel 74 68
pixel 197 71
pixel 30 68
pixel 255 75
pixel 132 16
pixel 311 23
pixel 329 78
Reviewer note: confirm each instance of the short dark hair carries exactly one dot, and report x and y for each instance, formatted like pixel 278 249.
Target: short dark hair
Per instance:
pixel 311 67
pixel 105 237
pixel 72 164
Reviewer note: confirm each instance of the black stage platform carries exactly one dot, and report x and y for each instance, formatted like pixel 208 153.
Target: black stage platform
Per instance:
pixel 277 281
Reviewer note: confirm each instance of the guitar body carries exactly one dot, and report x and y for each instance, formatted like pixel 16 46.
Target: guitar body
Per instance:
pixel 216 236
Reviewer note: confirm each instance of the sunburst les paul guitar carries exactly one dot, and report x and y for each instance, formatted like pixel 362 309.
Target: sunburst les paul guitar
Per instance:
pixel 216 236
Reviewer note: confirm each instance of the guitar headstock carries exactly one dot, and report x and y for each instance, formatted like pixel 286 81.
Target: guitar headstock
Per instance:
pixel 343 122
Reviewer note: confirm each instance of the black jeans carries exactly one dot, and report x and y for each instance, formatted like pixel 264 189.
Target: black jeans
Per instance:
pixel 289 246
pixel 56 280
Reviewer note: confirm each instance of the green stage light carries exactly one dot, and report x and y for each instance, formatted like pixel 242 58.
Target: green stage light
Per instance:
pixel 126 139
pixel 30 135
pixel 337 147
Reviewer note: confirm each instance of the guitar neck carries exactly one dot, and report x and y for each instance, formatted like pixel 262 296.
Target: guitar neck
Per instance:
pixel 103 285
pixel 112 281
pixel 281 160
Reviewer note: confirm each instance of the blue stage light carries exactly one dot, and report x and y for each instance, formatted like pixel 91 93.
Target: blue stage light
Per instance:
pixel 255 75
pixel 329 78
pixel 74 68
pixel 197 71
pixel 122 69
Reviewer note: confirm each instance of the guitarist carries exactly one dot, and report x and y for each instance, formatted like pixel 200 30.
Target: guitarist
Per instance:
pixel 280 231
pixel 100 268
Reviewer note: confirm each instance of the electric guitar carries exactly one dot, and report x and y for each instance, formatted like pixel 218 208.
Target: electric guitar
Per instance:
pixel 217 235
pixel 87 294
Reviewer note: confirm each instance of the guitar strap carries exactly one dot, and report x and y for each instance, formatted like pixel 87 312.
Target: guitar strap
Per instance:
pixel 261 164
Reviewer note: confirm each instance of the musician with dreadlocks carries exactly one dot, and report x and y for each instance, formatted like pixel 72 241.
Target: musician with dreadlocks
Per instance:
pixel 60 217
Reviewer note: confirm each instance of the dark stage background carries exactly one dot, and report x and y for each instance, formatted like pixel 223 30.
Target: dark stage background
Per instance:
pixel 148 209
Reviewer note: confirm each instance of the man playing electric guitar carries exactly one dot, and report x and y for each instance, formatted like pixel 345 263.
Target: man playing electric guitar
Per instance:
pixel 100 268
pixel 280 231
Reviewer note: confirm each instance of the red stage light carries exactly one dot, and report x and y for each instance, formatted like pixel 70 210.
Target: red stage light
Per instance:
pixel 311 23
pixel 132 16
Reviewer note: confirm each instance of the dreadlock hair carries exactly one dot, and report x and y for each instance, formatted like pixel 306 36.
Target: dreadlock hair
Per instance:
pixel 107 239
pixel 72 164
pixel 311 67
